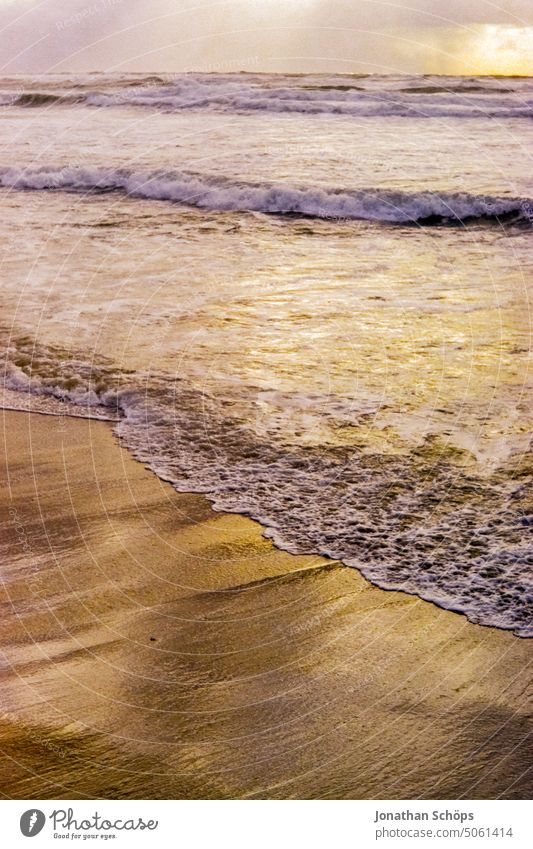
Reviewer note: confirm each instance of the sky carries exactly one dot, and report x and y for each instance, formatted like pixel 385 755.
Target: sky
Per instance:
pixel 346 36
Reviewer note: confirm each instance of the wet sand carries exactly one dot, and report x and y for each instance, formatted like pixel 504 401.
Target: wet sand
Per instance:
pixel 152 648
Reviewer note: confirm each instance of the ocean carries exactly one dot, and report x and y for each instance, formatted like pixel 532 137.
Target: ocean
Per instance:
pixel 305 296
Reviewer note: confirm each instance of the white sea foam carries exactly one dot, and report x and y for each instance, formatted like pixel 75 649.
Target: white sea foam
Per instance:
pixel 16 379
pixel 462 542
pixel 459 540
pixel 219 194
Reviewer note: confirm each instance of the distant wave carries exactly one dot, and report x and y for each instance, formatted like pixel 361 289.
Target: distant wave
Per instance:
pixel 220 194
pixel 39 98
pixel 457 89
pixel 333 96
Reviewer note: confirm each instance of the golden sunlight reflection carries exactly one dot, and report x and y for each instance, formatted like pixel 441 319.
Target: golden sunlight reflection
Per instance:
pixel 499 49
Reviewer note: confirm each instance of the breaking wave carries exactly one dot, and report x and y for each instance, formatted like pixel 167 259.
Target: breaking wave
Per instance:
pixel 220 194
pixel 38 98
pixel 377 97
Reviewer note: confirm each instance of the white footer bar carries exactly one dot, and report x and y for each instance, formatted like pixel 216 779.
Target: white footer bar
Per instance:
pixel 269 825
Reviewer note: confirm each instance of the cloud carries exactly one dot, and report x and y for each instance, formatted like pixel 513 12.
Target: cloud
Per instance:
pixel 337 35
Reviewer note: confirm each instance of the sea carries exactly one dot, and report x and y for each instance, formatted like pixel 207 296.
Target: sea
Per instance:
pixel 306 296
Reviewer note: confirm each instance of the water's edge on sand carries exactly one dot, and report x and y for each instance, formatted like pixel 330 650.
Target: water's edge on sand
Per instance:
pixel 153 647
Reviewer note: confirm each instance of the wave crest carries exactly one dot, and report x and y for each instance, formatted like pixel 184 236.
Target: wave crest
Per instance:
pixel 40 98
pixel 377 97
pixel 220 194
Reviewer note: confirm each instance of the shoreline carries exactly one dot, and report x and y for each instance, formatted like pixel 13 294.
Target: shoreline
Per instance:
pixel 91 415
pixel 224 667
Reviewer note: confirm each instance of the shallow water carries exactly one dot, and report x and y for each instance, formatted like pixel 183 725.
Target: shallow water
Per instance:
pixel 307 297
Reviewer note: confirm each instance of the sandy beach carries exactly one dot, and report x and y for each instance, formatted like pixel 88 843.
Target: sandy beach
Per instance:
pixel 154 648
